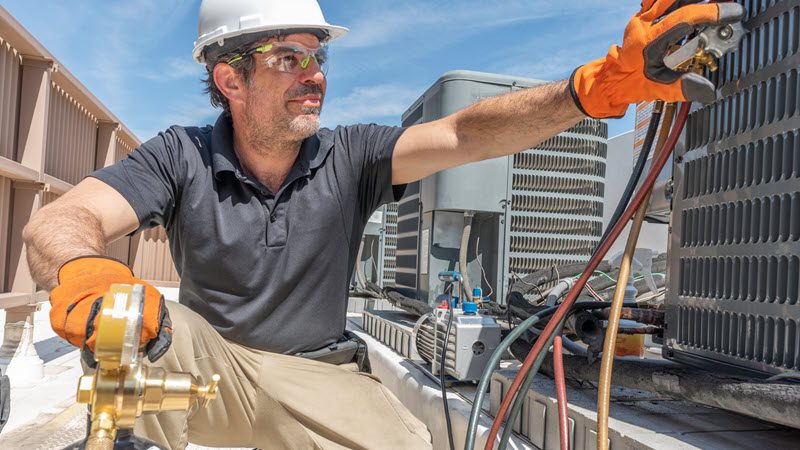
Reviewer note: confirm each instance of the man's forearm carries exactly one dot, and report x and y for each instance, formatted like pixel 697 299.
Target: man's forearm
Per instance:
pixel 57 234
pixel 516 121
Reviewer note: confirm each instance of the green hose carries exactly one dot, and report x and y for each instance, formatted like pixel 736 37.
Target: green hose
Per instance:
pixel 472 429
pixel 520 399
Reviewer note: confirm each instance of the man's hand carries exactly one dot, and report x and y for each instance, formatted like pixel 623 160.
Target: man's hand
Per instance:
pixel 82 282
pixel 636 72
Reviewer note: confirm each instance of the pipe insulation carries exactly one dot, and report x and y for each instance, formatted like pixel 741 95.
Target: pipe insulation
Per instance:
pixel 772 402
pixel 462 254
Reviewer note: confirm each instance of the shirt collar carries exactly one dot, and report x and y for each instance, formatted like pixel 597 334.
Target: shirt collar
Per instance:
pixel 313 150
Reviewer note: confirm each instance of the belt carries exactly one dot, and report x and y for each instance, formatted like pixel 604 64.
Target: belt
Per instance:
pixel 348 349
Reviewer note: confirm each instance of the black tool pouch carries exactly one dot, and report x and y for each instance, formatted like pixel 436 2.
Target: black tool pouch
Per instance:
pixel 349 349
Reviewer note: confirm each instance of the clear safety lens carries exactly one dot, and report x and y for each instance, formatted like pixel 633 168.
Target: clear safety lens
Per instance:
pixel 289 57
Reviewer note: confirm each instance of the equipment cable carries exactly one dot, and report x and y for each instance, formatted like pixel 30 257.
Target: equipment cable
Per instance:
pixel 658 164
pixel 609 346
pixel 441 366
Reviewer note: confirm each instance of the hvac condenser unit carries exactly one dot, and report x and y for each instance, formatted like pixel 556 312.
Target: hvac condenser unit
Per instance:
pixel 539 208
pixel 372 261
pixel 732 295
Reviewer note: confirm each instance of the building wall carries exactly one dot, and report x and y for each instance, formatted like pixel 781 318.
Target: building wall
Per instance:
pixel 620 163
pixel 53 132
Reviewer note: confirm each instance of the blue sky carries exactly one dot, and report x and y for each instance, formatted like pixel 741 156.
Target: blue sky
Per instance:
pixel 135 55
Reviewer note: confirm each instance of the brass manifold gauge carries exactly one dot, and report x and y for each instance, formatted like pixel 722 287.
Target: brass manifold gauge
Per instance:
pixel 122 389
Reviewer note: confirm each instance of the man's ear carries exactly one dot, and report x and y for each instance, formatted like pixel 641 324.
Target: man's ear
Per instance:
pixel 230 83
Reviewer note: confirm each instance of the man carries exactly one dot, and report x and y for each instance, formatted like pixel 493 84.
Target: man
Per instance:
pixel 264 212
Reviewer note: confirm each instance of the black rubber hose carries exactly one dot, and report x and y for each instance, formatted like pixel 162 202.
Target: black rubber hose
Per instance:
pixel 442 374
pixel 411 305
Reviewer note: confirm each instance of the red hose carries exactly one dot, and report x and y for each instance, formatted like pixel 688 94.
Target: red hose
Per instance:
pixel 561 393
pixel 554 321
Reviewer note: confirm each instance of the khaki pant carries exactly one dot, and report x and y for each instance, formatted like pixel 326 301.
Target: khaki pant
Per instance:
pixel 273 401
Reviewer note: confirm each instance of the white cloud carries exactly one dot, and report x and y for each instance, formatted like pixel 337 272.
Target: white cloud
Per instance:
pixel 386 21
pixel 175 69
pixel 537 56
pixel 195 110
pixel 381 104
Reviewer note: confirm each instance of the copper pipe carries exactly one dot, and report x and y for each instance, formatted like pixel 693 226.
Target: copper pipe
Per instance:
pixel 609 346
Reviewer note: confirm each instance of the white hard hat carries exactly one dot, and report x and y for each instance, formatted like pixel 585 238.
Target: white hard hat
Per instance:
pixel 225 19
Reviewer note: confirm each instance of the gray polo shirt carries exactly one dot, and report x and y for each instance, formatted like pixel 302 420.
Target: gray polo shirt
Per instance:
pixel 267 270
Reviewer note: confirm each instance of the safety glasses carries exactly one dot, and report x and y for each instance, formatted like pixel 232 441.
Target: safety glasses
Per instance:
pixel 288 57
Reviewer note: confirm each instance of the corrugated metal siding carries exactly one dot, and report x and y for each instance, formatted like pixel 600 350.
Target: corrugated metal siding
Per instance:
pixel 122 149
pixel 9 98
pixel 71 138
pixel 5 209
pixel 48 198
pixel 152 259
pixel 119 249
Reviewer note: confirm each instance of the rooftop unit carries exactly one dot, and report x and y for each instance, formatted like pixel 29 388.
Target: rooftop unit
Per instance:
pixel 528 211
pixel 734 272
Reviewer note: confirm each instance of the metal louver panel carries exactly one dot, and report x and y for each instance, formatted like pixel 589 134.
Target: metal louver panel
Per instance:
pixel 557 199
pixel 732 296
pixel 407 235
pixel 390 245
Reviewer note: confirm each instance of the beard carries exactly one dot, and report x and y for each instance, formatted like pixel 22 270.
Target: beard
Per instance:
pixel 282 128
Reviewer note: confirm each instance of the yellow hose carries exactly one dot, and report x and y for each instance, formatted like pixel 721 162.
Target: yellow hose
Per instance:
pixel 609 345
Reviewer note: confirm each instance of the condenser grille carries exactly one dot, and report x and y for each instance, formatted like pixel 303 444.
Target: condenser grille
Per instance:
pixel 560 205
pixel 559 162
pixel 570 226
pixel 734 268
pixel 762 220
pixel 754 279
pixel 764 161
pixel 559 182
pixel 590 127
pixel 772 341
pixel 406 236
pixel 390 245
pixel 575 145
pixel 557 194
pixel 760 105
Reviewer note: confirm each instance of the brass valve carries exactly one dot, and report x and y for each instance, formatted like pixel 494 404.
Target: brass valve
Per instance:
pixel 700 60
pixel 702 51
pixel 122 389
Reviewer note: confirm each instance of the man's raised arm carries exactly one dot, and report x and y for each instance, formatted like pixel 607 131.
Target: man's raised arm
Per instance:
pixel 603 88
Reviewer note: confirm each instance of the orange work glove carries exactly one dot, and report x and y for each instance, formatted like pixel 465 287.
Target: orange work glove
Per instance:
pixel 636 72
pixel 82 283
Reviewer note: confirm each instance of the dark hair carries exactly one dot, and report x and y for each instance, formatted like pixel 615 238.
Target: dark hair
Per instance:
pixel 243 67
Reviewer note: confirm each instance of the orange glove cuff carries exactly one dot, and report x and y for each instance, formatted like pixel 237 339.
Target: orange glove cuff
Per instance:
pixel 585 86
pixel 92 265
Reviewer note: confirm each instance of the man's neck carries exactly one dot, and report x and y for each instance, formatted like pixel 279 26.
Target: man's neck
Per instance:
pixel 269 162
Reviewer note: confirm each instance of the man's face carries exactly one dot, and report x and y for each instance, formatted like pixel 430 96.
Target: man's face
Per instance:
pixel 281 105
